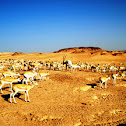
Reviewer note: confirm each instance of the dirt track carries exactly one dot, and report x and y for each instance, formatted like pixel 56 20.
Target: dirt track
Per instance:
pixel 67 98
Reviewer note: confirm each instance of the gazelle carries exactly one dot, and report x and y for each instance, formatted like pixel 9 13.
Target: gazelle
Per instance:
pixel 10 73
pixel 29 75
pixel 16 66
pixel 114 78
pixel 93 67
pixel 36 66
pixel 113 69
pixel 25 80
pixel 1 67
pixel 47 65
pixel 59 66
pixel 103 80
pixel 43 75
pixel 8 81
pixel 88 67
pixel 122 68
pixel 53 65
pixel 102 69
pixel 74 67
pixel 67 62
pixel 123 74
pixel 83 66
pixel 22 87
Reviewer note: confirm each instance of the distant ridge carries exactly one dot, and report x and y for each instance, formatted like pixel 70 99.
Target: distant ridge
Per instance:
pixel 17 53
pixel 78 49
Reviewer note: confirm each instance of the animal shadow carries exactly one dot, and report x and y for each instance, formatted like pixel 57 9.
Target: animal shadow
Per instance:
pixel 123 79
pixel 121 125
pixel 7 96
pixel 98 81
pixel 92 85
pixel 6 88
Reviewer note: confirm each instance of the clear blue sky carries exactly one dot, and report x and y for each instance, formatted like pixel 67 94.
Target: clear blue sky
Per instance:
pixel 49 25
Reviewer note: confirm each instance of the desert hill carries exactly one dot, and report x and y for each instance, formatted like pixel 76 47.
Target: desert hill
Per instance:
pixel 17 53
pixel 75 54
pixel 79 49
pixel 71 50
pixel 90 50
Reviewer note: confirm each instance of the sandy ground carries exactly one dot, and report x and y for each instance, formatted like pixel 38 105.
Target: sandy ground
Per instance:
pixel 67 98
